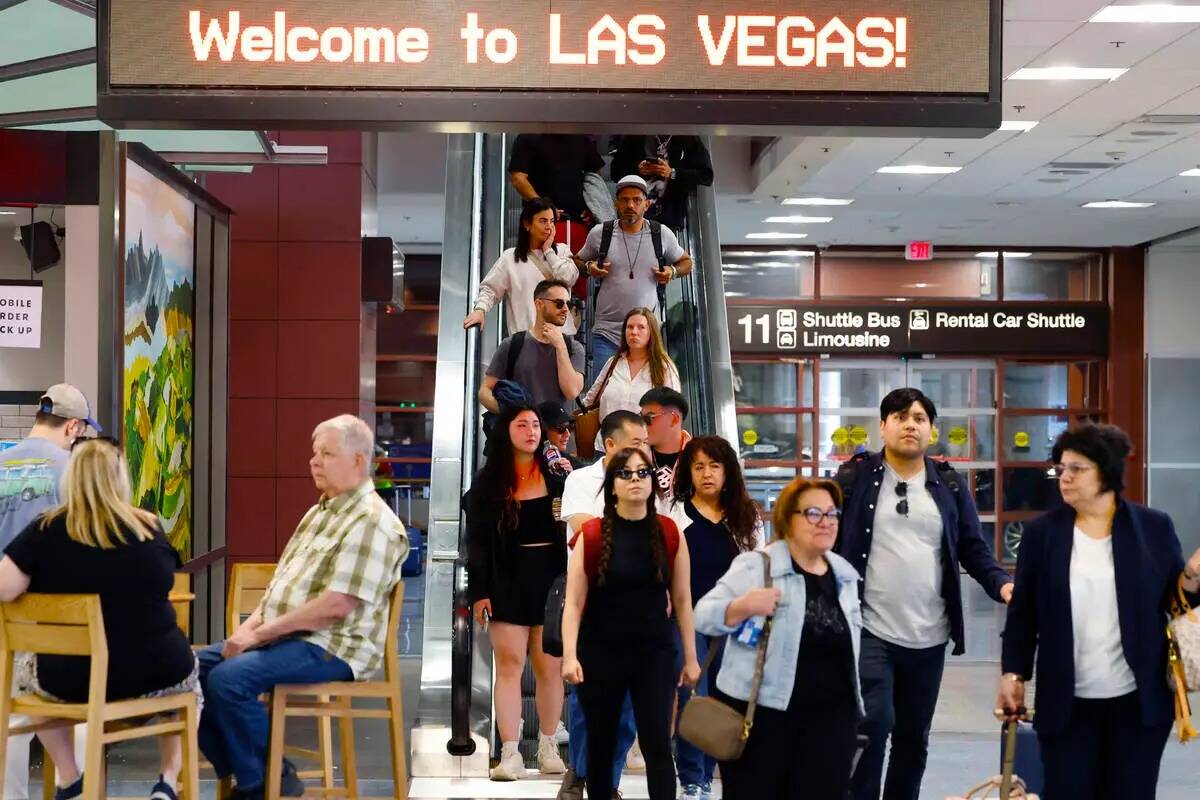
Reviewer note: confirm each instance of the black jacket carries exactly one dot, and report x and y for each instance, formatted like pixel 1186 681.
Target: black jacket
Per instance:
pixel 491 553
pixel 962 539
pixel 687 155
pixel 1147 558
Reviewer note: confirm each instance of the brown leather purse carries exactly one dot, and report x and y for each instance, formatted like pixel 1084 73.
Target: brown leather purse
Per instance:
pixel 714 727
pixel 587 419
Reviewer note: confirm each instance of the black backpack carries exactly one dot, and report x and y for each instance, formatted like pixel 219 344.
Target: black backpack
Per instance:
pixel 606 237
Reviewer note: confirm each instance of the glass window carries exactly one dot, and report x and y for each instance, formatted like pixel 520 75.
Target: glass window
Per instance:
pixel 775 384
pixel 859 384
pixel 1174 386
pixel 983 484
pixel 1011 543
pixel 1052 276
pixel 1030 489
pixel 843 435
pixel 970 386
pixel 968 438
pixel 1031 438
pixel 889 275
pixel 1041 385
pixel 770 274
pixel 775 437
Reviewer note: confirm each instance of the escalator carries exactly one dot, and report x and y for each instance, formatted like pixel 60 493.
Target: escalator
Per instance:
pixel 481 221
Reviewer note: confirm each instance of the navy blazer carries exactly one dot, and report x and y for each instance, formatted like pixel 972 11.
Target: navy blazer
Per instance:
pixel 1147 559
pixel 962 538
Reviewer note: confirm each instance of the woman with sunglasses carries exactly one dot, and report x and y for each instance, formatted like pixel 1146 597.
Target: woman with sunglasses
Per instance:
pixel 641 364
pixel 804 734
pixel 719 521
pixel 617 636
pixel 98 542
pixel 1094 579
pixel 516 549
pixel 519 269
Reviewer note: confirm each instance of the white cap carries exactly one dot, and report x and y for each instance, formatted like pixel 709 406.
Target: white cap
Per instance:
pixel 634 180
pixel 64 400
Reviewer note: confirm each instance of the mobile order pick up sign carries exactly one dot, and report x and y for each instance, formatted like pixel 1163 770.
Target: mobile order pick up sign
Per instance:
pixel 20 314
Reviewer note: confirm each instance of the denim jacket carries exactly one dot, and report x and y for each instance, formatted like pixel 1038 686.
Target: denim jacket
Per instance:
pixel 779 670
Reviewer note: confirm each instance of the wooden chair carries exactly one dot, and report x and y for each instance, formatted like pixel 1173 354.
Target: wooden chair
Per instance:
pixel 72 625
pixel 247 584
pixel 334 699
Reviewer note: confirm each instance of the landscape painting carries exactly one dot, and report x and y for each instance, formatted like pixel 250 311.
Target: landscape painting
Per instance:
pixel 159 291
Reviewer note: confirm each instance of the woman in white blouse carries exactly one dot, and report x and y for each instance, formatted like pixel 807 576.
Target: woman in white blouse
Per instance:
pixel 640 365
pixel 519 269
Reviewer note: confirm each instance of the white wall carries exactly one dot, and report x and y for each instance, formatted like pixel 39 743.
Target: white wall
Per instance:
pixel 82 325
pixel 27 369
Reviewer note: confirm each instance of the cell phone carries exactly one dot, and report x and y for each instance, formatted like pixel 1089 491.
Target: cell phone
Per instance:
pixel 487 619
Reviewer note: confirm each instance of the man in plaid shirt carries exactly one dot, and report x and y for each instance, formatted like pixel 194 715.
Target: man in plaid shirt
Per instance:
pixel 323 617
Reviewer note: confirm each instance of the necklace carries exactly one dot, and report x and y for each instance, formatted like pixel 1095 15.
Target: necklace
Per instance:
pixel 637 253
pixel 530 475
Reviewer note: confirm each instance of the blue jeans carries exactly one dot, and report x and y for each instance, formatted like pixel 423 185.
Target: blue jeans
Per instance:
pixel 693 764
pixel 577 727
pixel 900 690
pixel 602 351
pixel 234 727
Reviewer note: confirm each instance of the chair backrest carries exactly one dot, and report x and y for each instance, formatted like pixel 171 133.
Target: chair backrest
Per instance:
pixel 247 584
pixel 391 657
pixel 181 599
pixel 57 624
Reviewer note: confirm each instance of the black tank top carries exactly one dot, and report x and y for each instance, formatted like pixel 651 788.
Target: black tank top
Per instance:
pixel 535 522
pixel 631 606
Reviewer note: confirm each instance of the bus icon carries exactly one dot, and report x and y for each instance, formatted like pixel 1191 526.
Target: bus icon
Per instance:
pixel 918 320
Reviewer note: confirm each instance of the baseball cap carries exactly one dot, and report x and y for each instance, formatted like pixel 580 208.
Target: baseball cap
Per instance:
pixel 64 400
pixel 636 181
pixel 553 415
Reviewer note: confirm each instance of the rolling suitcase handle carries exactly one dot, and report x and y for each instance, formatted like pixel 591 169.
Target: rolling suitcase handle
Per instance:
pixel 1010 752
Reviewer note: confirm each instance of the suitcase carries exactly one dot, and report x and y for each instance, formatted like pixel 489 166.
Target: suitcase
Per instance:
pixel 1006 785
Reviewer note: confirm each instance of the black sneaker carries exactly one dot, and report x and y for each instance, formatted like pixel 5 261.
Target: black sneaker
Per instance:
pixel 290 784
pixel 69 792
pixel 572 787
pixel 163 791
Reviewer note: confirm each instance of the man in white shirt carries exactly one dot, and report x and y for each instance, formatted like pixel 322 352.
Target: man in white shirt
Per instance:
pixel 583 499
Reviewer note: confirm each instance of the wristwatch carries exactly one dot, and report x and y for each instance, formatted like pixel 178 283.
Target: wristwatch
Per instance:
pixel 674 272
pixel 1012 676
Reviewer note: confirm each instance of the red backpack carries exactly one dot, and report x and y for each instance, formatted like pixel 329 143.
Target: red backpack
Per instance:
pixel 592 542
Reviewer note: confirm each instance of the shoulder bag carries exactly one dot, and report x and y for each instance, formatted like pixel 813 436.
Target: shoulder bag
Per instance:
pixel 1183 659
pixel 714 727
pixel 587 419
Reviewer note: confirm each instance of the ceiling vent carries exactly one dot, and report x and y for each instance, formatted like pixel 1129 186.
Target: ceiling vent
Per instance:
pixel 1153 133
pixel 1170 119
pixel 1086 166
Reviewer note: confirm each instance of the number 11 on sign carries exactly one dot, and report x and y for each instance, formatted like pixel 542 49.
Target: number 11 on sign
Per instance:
pixel 748 322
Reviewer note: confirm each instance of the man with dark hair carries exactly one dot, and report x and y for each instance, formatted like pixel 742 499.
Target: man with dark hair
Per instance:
pixel 665 410
pixel 547 364
pixel 907 524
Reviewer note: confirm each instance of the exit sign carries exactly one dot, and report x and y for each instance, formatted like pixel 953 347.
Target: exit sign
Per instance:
pixel 919 251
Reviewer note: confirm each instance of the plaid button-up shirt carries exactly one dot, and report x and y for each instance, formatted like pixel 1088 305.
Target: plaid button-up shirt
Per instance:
pixel 352 544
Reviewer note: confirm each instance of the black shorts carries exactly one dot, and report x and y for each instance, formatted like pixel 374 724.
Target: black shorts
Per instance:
pixel 524 602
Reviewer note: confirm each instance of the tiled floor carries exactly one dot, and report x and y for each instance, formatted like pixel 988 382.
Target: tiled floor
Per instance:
pixel 964 749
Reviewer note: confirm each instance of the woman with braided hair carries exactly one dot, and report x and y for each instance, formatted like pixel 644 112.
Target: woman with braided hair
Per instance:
pixel 617 635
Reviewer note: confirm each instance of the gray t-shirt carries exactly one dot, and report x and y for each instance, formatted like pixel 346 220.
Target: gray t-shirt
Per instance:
pixel 30 478
pixel 902 591
pixel 536 368
pixel 626 288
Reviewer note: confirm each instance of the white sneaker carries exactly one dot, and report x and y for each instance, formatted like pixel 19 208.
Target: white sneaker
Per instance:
pixel 561 736
pixel 549 761
pixel 511 766
pixel 633 759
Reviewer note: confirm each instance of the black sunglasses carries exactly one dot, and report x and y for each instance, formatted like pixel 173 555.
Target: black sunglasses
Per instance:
pixel 902 493
pixel 566 427
pixel 84 439
pixel 628 474
pixel 559 304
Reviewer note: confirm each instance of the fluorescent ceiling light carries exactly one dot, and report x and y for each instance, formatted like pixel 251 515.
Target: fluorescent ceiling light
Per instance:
pixel 917 169
pixel 1148 12
pixel 1007 254
pixel 1116 204
pixel 1190 173
pixel 1021 125
pixel 797 219
pixel 776 235
pixel 815 201
pixel 1068 74
pixel 7 213
pixel 799 253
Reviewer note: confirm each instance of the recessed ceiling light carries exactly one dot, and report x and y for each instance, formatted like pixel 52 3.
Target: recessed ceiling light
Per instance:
pixel 7 213
pixel 1007 254
pixel 1018 125
pixel 799 253
pixel 815 201
pixel 776 235
pixel 798 219
pixel 1116 204
pixel 1068 74
pixel 917 169
pixel 1149 12
pixel 1189 173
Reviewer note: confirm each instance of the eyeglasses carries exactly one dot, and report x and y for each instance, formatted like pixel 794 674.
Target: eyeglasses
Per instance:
pixel 83 439
pixel 1074 469
pixel 564 428
pixel 641 473
pixel 559 304
pixel 902 493
pixel 650 416
pixel 815 515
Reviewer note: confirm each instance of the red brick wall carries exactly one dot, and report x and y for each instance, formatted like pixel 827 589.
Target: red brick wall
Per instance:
pixel 295 326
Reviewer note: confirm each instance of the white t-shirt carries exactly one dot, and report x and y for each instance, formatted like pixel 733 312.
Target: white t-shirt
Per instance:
pixel 514 281
pixel 902 594
pixel 1101 670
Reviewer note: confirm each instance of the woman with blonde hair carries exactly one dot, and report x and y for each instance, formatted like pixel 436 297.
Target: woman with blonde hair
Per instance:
pixel 97 542
pixel 641 364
